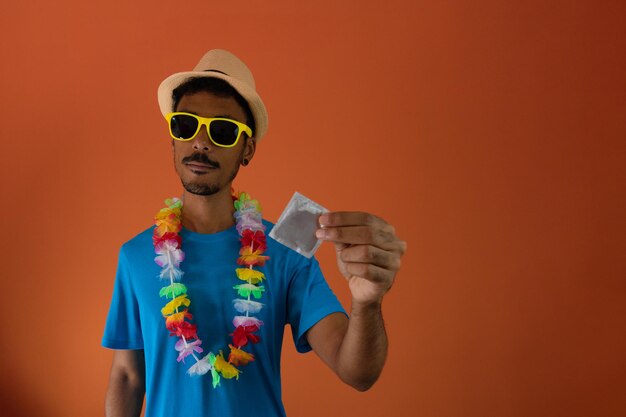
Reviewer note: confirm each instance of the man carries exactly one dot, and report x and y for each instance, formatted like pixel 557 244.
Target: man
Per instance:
pixel 216 119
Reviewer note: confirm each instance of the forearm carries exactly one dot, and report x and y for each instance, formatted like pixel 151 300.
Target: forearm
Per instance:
pixel 362 353
pixel 124 397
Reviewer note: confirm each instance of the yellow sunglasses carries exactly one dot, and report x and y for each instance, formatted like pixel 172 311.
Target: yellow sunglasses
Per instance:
pixel 222 132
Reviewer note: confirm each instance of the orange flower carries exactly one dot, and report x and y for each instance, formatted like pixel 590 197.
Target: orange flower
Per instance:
pixel 169 223
pixel 177 318
pixel 239 357
pixel 249 257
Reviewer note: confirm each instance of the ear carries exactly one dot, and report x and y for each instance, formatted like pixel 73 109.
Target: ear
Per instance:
pixel 249 147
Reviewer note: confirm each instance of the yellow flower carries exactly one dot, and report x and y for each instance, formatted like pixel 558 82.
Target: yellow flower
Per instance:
pixel 227 370
pixel 174 304
pixel 250 275
pixel 167 212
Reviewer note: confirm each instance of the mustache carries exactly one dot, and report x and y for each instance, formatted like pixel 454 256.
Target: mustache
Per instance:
pixel 202 158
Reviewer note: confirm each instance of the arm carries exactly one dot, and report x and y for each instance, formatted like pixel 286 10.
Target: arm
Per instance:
pixel 368 256
pixel 354 349
pixel 126 390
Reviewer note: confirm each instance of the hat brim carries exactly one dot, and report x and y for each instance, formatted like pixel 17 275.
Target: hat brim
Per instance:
pixel 248 93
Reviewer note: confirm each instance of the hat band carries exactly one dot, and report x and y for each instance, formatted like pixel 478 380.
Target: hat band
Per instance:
pixel 221 72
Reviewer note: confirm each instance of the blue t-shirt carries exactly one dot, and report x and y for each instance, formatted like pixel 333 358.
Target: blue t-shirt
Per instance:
pixel 295 293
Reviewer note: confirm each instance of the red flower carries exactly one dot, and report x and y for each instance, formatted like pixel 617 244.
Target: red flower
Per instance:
pixel 167 236
pixel 255 239
pixel 184 329
pixel 243 334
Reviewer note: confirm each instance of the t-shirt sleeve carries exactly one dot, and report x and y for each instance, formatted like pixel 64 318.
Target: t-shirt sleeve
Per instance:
pixel 123 328
pixel 310 299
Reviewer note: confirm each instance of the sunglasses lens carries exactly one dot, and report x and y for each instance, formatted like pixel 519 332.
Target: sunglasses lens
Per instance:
pixel 223 132
pixel 183 126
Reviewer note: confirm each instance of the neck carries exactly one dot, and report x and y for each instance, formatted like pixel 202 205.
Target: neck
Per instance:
pixel 208 214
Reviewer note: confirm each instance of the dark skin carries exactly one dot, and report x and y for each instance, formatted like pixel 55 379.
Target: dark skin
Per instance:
pixel 367 248
pixel 210 213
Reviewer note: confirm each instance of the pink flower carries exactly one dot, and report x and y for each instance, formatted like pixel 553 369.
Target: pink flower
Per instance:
pixel 168 253
pixel 252 220
pixel 187 348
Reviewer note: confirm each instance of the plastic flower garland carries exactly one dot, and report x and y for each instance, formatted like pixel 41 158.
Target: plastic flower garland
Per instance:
pixel 167 245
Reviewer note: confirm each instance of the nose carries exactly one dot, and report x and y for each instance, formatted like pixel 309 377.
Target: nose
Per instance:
pixel 201 141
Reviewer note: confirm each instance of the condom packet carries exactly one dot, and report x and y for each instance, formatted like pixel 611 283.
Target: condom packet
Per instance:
pixel 297 224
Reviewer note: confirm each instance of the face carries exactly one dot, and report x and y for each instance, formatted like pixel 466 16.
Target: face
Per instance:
pixel 203 167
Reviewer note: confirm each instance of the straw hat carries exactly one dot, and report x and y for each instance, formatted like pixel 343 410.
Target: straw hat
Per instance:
pixel 218 63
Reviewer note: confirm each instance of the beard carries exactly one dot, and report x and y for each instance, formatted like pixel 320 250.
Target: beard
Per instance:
pixel 200 189
pixel 206 189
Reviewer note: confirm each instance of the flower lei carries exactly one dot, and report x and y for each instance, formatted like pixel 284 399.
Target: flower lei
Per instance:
pixel 167 245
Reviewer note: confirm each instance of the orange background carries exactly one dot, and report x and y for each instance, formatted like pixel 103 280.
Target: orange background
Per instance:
pixel 491 134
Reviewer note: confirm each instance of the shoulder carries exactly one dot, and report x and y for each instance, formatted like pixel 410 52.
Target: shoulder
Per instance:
pixel 137 245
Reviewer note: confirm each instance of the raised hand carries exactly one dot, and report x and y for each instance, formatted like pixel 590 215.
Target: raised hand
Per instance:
pixel 368 252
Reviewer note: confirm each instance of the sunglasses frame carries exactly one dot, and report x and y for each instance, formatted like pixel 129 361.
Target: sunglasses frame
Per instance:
pixel 206 121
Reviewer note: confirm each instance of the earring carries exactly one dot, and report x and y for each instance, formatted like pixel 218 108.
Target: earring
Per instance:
pixel 244 162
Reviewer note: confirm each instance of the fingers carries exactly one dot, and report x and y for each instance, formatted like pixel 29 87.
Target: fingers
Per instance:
pixel 355 227
pixel 384 237
pixel 370 272
pixel 348 218
pixel 367 247
pixel 371 255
